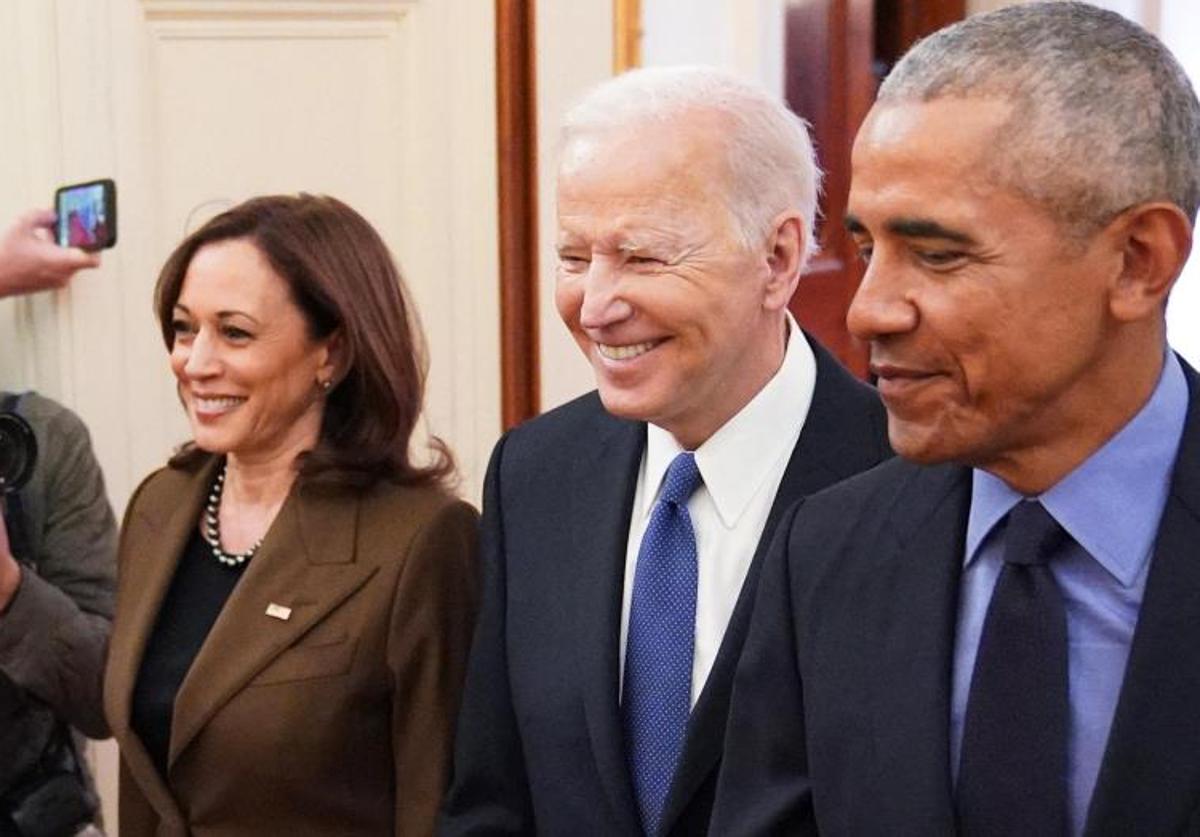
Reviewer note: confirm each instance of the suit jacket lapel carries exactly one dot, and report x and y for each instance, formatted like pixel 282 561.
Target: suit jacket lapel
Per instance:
pixel 919 562
pixel 817 461
pixel 1150 776
pixel 602 489
pixel 154 539
pixel 305 564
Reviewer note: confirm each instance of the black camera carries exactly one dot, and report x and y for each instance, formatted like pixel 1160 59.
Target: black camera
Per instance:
pixel 18 452
pixel 42 789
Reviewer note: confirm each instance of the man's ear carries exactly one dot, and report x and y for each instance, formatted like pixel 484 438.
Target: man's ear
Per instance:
pixel 1154 239
pixel 785 259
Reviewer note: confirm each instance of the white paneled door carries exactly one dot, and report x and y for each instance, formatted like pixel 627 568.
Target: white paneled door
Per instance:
pixel 192 105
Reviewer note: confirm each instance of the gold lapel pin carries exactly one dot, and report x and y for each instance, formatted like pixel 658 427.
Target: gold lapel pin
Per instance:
pixel 278 611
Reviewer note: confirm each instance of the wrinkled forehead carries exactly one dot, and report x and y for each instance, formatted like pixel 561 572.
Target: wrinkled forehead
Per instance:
pixel 975 146
pixel 929 148
pixel 666 171
pixel 967 127
pixel 667 143
pixel 929 162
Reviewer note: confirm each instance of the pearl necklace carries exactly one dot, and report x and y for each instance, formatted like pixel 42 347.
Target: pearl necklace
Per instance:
pixel 212 528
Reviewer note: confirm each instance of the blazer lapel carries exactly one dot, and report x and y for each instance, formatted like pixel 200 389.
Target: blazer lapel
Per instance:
pixel 1150 777
pixel 305 565
pixel 602 502
pixel 153 542
pixel 818 460
pixel 920 553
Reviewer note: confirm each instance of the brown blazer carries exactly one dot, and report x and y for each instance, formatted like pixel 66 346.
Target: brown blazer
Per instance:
pixel 335 720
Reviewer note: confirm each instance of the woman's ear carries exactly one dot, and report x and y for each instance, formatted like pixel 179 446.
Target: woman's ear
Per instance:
pixel 334 360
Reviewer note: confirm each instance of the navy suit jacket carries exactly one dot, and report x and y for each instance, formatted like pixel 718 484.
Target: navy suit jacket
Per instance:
pixel 540 745
pixel 841 702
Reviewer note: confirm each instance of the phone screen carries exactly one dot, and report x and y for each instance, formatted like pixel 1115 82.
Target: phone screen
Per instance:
pixel 87 215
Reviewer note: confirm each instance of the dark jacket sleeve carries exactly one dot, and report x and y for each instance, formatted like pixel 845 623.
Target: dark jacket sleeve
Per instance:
pixel 764 787
pixel 54 634
pixel 489 790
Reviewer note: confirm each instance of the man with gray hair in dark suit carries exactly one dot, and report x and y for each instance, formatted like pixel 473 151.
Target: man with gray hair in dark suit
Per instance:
pixel 997 633
pixel 622 532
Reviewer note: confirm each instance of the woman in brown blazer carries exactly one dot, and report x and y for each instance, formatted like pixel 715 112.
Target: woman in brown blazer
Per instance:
pixel 295 595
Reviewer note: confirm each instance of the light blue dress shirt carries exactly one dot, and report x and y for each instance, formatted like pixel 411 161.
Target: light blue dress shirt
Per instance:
pixel 1111 505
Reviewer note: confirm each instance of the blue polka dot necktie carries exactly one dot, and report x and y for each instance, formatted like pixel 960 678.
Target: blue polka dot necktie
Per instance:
pixel 660 643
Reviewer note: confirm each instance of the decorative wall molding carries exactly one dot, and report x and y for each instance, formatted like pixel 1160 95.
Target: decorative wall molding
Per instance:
pixel 322 10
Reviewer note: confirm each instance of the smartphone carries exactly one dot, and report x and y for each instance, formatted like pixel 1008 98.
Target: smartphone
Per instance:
pixel 87 215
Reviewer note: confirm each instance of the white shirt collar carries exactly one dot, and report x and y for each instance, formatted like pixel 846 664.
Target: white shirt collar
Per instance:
pixel 737 458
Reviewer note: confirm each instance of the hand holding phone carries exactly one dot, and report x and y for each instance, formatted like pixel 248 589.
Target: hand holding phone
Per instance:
pixel 31 261
pixel 87 215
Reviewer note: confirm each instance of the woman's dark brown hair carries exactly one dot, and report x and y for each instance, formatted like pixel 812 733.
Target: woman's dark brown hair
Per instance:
pixel 342 278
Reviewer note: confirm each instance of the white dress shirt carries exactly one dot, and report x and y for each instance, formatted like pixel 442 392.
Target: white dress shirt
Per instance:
pixel 742 465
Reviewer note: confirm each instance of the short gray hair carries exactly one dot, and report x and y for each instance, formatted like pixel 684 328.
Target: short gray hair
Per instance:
pixel 770 156
pixel 1103 115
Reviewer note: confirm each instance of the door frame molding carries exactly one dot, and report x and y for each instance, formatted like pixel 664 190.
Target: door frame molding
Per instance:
pixel 516 146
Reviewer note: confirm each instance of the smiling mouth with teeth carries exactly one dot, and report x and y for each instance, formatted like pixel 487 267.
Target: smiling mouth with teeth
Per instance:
pixel 625 352
pixel 212 405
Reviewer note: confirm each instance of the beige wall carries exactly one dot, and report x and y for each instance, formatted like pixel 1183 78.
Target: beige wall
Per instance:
pixel 745 36
pixel 1145 12
pixel 977 6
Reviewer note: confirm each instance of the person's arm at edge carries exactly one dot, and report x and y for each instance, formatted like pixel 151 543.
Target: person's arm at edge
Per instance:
pixel 30 259
pixel 54 633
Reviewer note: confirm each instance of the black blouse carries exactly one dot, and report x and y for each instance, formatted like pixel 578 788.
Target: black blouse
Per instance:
pixel 195 598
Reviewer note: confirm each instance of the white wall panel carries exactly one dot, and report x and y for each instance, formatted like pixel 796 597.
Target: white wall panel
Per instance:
pixel 744 36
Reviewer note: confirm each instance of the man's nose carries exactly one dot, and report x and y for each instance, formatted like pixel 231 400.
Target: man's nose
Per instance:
pixel 603 301
pixel 882 304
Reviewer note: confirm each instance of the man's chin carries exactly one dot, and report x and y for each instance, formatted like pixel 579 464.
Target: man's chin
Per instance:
pixel 922 445
pixel 627 405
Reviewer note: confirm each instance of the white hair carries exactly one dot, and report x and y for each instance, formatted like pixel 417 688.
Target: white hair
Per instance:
pixel 770 159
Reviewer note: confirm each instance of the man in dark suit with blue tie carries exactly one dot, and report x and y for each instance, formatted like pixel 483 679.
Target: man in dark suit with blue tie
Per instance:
pixel 621 532
pixel 997 632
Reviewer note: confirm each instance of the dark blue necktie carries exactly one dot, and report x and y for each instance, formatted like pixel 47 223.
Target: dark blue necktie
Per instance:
pixel 660 643
pixel 1012 773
